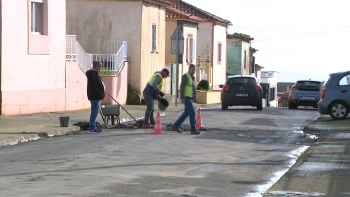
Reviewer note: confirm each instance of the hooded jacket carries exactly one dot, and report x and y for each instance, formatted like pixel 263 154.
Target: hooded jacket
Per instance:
pixel 95 86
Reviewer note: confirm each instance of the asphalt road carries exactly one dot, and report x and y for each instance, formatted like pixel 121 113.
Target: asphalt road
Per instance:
pixel 243 154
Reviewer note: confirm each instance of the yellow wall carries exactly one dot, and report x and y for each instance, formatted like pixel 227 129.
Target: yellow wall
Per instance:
pixel 170 28
pixel 151 62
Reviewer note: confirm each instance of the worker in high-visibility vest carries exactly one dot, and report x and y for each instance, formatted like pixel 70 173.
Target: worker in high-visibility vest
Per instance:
pixel 188 91
pixel 153 91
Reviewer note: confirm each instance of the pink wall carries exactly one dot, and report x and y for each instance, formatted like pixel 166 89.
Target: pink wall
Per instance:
pixel 76 83
pixel 117 87
pixel 73 97
pixel 33 101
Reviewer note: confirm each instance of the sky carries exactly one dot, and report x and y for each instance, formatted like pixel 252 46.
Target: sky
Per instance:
pixel 301 39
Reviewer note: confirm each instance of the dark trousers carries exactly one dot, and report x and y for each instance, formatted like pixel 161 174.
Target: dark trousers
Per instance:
pixel 150 109
pixel 189 111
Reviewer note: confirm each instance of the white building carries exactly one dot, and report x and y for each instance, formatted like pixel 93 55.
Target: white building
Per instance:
pixel 269 80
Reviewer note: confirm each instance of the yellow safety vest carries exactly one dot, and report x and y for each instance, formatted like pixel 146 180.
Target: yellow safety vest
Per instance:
pixel 151 80
pixel 188 87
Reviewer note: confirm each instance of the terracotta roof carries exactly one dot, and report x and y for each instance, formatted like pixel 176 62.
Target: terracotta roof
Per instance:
pixel 174 13
pixel 161 2
pixel 194 11
pixel 240 36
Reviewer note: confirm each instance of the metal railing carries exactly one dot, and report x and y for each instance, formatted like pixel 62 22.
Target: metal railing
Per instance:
pixel 113 61
pixel 71 48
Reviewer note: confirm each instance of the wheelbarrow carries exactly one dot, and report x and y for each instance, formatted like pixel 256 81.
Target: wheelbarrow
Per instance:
pixel 110 112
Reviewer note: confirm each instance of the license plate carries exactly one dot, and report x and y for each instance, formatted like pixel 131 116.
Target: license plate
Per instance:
pixel 241 94
pixel 308 98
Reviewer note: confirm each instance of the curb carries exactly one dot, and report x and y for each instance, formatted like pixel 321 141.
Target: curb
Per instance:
pixel 33 136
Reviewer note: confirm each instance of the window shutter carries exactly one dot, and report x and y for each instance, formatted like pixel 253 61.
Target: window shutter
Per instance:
pixel 154 42
pixel 187 49
pixel 193 52
pixel 219 52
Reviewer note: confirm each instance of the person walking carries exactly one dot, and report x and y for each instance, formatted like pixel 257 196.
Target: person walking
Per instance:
pixel 95 93
pixel 188 91
pixel 153 91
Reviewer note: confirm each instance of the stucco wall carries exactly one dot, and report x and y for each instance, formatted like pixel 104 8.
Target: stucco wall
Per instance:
pixel 117 87
pixel 76 88
pixel 246 61
pixel 234 57
pixel 205 38
pixel 150 62
pixel 219 71
pixel 170 28
pixel 96 22
pixel 32 83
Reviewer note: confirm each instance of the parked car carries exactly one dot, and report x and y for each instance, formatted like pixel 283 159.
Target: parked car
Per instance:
pixel 241 90
pixel 304 93
pixel 335 99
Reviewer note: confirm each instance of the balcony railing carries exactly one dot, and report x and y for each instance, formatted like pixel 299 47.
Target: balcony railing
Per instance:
pixel 113 61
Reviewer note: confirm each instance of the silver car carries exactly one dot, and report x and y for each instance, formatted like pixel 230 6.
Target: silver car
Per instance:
pixel 335 99
pixel 304 93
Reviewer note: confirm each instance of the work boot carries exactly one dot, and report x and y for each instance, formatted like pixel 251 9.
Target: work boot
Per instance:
pixel 177 129
pixel 195 132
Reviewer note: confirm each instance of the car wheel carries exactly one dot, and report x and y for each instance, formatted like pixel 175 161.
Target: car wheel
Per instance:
pixel 259 107
pixel 291 106
pixel 338 110
pixel 224 106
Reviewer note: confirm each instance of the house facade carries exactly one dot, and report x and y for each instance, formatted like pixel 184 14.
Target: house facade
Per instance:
pixel 240 55
pixel 269 85
pixel 140 23
pixel 188 30
pixel 33 51
pixel 211 42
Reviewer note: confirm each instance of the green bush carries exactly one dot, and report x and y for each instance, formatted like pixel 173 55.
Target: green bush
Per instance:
pixel 203 85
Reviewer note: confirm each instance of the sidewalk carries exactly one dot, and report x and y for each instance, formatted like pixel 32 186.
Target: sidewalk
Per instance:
pixel 22 128
pixel 324 169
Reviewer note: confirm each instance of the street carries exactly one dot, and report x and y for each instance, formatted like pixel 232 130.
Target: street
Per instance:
pixel 244 153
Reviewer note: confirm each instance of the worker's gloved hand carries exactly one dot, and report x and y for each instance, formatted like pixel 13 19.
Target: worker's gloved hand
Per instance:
pixel 161 94
pixel 158 98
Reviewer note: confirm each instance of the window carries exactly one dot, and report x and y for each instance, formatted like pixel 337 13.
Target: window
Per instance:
pixel 245 60
pixel 190 49
pixel 38 27
pixel 154 38
pixel 345 81
pixel 219 52
pixel 37 10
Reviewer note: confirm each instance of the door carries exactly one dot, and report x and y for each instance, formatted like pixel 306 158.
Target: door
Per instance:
pixel 344 89
pixel 173 79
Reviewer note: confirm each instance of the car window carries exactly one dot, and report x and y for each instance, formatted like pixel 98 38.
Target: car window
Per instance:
pixel 345 81
pixel 308 85
pixel 242 81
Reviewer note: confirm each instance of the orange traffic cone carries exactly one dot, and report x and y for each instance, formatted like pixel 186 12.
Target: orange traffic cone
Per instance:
pixel 199 119
pixel 158 126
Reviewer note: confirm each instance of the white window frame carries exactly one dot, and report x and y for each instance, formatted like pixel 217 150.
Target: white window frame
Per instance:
pixel 190 49
pixel 33 19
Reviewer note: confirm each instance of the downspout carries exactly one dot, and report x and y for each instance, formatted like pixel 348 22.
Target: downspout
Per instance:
pixel 212 56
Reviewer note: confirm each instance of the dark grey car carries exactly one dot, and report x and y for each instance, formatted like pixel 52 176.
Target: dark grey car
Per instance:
pixel 335 99
pixel 304 93
pixel 241 90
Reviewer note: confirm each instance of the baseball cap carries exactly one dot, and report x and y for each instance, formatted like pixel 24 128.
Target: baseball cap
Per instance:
pixel 166 71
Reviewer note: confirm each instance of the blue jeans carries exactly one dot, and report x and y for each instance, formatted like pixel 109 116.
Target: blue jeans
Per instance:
pixel 95 109
pixel 189 111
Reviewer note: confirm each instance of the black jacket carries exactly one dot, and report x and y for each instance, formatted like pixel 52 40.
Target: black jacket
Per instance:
pixel 95 87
